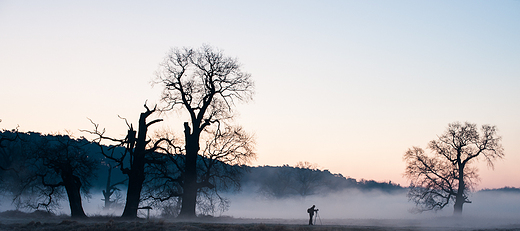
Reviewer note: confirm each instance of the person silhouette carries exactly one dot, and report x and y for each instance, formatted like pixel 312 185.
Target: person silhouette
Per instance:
pixel 311 211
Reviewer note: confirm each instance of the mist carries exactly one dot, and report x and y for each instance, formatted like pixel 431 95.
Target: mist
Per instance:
pixel 356 207
pixel 347 204
pixel 92 205
pixel 351 207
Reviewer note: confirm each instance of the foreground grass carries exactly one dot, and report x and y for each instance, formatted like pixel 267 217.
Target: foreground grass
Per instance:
pixel 115 225
pixel 161 225
pixel 18 221
pixel 165 226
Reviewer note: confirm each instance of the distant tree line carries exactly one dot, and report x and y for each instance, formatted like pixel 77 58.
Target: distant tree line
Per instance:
pixel 503 189
pixel 305 179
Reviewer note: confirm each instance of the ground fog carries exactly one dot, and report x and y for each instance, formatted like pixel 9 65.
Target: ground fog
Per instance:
pixel 347 210
pixel 364 208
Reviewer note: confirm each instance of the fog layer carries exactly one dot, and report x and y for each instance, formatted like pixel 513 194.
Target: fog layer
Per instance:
pixel 356 204
pixel 489 209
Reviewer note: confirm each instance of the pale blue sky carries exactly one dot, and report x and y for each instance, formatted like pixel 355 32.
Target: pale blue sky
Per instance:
pixel 349 85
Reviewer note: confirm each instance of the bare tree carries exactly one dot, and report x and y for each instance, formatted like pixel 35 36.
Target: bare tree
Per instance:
pixel 205 83
pixel 54 165
pixel 110 189
pixel 136 154
pixel 67 159
pixel 446 175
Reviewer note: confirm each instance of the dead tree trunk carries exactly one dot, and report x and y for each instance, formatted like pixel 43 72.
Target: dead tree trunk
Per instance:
pixel 135 155
pixel 109 190
pixel 136 174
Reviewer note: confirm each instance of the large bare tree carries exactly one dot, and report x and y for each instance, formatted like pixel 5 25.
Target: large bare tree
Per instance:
pixel 447 174
pixel 205 83
pixel 135 152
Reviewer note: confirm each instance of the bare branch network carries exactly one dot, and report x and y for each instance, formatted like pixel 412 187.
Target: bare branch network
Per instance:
pixel 203 81
pixel 446 175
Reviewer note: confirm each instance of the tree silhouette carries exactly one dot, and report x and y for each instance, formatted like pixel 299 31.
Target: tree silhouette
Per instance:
pixel 137 153
pixel 110 189
pixel 447 175
pixel 53 165
pixel 205 83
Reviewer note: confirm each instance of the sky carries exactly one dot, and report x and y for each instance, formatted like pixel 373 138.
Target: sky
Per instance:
pixel 348 85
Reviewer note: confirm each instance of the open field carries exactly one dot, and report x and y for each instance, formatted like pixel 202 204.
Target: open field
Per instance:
pixel 346 211
pixel 213 224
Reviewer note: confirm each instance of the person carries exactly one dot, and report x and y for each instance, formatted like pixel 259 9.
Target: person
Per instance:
pixel 311 211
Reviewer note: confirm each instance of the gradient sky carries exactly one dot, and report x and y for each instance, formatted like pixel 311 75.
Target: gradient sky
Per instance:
pixel 348 85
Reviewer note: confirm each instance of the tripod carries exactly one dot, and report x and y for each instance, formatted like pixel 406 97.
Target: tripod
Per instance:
pixel 317 216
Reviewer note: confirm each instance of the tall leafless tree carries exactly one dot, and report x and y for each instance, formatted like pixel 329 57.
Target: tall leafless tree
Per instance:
pixel 205 83
pixel 136 154
pixel 447 175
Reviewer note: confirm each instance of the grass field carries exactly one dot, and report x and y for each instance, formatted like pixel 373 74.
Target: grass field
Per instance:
pixel 41 221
